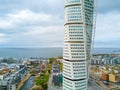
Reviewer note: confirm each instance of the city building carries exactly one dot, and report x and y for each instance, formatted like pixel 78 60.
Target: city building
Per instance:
pixel 11 79
pixel 103 59
pixel 55 74
pixel 77 43
pixel 108 73
pixel 104 76
pixel 114 78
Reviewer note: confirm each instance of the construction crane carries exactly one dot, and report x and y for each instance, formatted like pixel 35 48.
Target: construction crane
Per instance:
pixel 94 30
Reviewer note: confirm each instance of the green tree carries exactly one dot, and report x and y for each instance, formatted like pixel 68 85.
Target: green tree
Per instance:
pixel 51 60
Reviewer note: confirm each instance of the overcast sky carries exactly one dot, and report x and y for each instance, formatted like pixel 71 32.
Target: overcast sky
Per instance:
pixel 40 23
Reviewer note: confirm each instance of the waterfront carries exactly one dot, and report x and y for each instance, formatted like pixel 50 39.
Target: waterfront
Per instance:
pixel 28 84
pixel 30 52
pixel 44 52
pixel 18 75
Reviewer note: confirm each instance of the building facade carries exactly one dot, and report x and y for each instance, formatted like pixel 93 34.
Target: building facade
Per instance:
pixel 10 81
pixel 77 43
pixel 56 75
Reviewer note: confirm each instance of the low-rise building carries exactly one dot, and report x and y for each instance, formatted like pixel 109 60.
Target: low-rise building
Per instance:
pixel 113 78
pixel 103 59
pixel 9 81
pixel 111 73
pixel 55 73
pixel 105 76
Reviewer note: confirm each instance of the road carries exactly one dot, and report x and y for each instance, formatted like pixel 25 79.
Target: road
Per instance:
pixel 92 85
pixel 51 86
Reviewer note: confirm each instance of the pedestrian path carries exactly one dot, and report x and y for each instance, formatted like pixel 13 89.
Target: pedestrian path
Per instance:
pixel 51 86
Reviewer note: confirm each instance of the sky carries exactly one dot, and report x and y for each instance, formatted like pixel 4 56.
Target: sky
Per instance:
pixel 40 23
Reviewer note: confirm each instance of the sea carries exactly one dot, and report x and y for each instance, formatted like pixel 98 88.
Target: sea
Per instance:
pixel 46 52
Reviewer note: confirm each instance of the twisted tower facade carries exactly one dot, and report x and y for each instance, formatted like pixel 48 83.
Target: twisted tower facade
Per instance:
pixel 78 29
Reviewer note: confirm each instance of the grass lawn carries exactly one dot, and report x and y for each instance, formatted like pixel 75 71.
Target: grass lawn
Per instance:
pixel 41 80
pixel 61 67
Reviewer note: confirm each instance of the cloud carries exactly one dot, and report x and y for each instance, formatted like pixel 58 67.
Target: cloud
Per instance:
pixel 46 6
pixel 28 18
pixel 32 29
pixel 38 23
pixel 41 37
pixel 3 38
pixel 106 6
pixel 25 19
pixel 108 30
pixel 5 24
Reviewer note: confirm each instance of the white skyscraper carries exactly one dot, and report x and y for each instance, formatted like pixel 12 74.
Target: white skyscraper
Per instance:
pixel 77 43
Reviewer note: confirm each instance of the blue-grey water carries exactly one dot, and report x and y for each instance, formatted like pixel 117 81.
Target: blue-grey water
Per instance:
pixel 28 84
pixel 45 52
pixel 30 52
pixel 106 50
